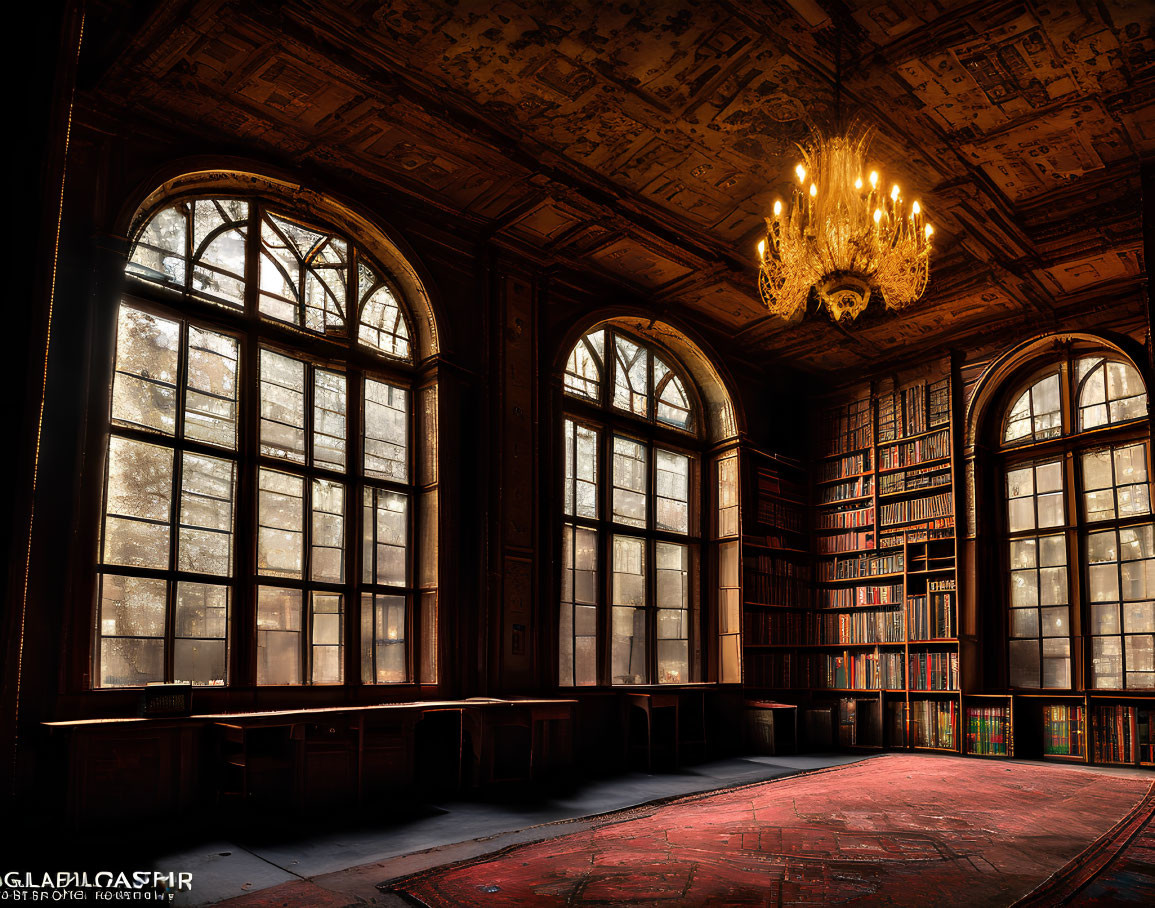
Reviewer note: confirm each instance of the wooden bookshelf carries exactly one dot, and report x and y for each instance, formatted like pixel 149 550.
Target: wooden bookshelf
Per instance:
pixel 868 629
pixel 777 574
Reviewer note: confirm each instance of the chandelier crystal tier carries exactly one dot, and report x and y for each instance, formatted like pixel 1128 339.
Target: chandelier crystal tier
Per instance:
pixel 843 235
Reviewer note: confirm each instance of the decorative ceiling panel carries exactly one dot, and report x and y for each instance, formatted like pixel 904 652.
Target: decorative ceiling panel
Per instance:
pixel 648 142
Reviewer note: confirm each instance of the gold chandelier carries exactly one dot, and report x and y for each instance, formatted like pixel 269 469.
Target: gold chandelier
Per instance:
pixel 843 235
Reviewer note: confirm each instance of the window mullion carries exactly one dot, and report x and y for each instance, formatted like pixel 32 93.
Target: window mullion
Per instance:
pixel 243 645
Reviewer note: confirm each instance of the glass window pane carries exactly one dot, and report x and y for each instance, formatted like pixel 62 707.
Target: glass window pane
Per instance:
pixel 328 542
pixel 1139 653
pixel 138 504
pixel 672 478
pixel 206 515
pixel 673 402
pixel 278 636
pixel 1025 622
pixel 382 324
pixel 1103 580
pixel 280 524
pixel 583 369
pixel 1024 553
pixel 220 227
pixel 1107 663
pixel 1053 586
pixel 383 639
pixel 1055 623
pixel 329 419
pixel 1021 514
pixel 210 413
pixel 132 607
pixel 159 253
pixel 1052 551
pixel 581 470
pixel 1056 663
pixel 144 383
pixel 1024 588
pixel 1138 617
pixel 1049 477
pixel 328 634
pixel 1105 618
pixel 386 537
pixel 1051 510
pixel 200 653
pixel 631 377
pixel 386 437
pixel 578 665
pixel 630 478
pixel 728 496
pixel 282 407
pixel 131 661
pixel 628 615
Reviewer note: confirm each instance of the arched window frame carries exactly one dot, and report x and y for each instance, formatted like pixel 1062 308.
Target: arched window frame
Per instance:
pixel 586 411
pixel 1070 449
pixel 364 633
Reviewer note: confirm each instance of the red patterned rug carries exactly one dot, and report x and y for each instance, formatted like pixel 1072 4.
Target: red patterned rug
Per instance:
pixel 895 830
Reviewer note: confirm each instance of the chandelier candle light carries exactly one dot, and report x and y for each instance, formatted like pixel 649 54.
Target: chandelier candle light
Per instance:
pixel 843 235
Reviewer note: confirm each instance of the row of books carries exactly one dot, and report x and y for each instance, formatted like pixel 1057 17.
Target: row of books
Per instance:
pixel 902 413
pixel 941 528
pixel 847 428
pixel 939 406
pixel 1115 733
pixel 861 671
pixel 934 671
pixel 852 596
pixel 863 626
pixel 842 491
pixel 914 479
pixel 911 453
pixel 850 465
pixel 774 580
pixel 933 722
pixel 862 566
pixel 781 515
pixel 988 730
pixel 845 542
pixel 932 616
pixel 766 626
pixel 916 509
pixel 1064 730
pixel 848 519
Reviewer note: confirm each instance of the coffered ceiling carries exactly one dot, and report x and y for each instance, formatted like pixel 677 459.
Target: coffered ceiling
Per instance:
pixel 646 142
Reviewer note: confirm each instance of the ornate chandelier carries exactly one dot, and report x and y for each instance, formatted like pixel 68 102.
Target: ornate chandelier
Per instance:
pixel 842 235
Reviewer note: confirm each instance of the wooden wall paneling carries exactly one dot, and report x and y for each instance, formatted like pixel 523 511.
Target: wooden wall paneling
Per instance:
pixel 514 548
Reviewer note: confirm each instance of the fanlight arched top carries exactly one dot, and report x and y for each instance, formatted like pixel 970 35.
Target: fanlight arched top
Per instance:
pixel 307 275
pixel 643 382
pixel 1109 391
pixel 1036 413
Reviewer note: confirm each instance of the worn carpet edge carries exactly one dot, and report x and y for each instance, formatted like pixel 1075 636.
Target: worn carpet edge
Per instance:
pixel 608 818
pixel 1061 886
pixel 395 886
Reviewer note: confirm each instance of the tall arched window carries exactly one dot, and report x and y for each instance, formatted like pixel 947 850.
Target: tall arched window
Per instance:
pixel 633 505
pixel 261 486
pixel 1075 446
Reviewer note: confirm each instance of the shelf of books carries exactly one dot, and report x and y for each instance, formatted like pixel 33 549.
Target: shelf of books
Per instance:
pixel 867 631
pixel 1084 727
pixel 989 725
pixel 886 588
pixel 777 615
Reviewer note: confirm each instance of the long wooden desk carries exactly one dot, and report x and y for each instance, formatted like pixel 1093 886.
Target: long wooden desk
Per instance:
pixel 315 756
